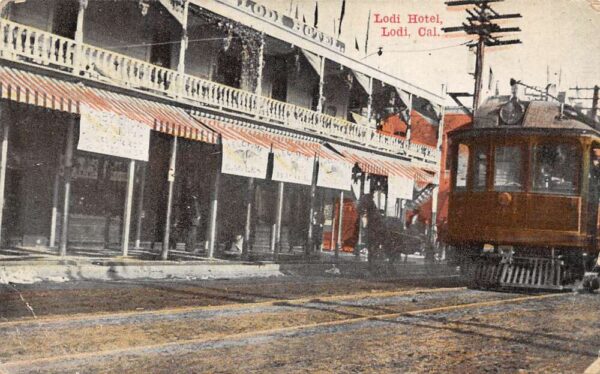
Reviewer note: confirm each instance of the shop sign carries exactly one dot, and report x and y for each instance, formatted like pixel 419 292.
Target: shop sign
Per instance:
pixel 334 174
pixel 292 167
pixel 400 187
pixel 244 158
pixel 112 134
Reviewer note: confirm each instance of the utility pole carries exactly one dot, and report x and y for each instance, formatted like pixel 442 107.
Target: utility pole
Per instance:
pixel 480 22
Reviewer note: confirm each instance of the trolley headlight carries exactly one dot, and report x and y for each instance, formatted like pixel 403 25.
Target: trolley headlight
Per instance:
pixel 512 112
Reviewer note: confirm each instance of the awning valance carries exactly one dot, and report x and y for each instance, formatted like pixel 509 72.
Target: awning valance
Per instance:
pixel 67 96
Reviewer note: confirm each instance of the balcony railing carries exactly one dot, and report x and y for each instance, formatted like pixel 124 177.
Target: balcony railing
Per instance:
pixel 23 43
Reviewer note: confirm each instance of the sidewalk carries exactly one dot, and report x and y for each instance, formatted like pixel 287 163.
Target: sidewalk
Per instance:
pixel 32 265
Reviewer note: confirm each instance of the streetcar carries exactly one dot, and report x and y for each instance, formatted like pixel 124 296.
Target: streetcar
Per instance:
pixel 523 205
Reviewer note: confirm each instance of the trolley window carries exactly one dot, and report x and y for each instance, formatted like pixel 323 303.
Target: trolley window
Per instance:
pixel 462 165
pixel 507 168
pixel 555 168
pixel 480 163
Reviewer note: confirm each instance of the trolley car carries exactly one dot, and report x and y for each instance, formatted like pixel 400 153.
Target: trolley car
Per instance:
pixel 523 208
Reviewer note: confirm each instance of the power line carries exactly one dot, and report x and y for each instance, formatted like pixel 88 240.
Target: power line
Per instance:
pixel 416 50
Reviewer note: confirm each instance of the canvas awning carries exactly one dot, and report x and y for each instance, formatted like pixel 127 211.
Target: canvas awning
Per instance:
pixel 246 149
pixel 72 96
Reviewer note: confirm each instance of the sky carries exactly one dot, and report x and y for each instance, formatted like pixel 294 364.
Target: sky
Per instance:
pixel 560 41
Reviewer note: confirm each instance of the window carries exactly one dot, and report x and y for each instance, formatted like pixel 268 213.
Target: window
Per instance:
pixel 508 168
pixel 480 162
pixel 555 168
pixel 462 166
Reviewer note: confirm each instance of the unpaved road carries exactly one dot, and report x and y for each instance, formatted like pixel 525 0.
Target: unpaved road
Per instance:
pixel 294 325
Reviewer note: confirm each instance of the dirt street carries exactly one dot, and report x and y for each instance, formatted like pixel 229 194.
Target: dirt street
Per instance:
pixel 293 325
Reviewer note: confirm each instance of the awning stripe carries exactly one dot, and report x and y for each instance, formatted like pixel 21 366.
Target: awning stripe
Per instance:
pixel 52 93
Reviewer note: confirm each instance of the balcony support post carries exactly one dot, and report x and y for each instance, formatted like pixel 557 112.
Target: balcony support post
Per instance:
pixel 436 190
pixel 182 50
pixel 171 179
pixel 409 118
pixel 78 64
pixel 321 85
pixel 64 236
pixel 312 219
pixel 128 208
pixel 5 126
pixel 370 100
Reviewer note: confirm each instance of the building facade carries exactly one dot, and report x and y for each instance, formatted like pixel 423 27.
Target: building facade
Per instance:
pixel 215 125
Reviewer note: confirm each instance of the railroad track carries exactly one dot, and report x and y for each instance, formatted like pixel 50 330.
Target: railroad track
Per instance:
pixel 17 365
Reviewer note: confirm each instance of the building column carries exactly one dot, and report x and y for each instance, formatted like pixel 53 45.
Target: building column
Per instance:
pixel 279 216
pixel 67 187
pixel 248 225
pixel 311 209
pixel 409 117
pixel 339 242
pixel 140 206
pixel 436 189
pixel 182 49
pixel 214 205
pixel 79 65
pixel 321 85
pixel 54 214
pixel 3 162
pixel 128 208
pixel 171 179
pixel 370 100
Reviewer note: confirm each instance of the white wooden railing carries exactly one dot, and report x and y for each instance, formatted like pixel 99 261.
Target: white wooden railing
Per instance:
pixel 24 43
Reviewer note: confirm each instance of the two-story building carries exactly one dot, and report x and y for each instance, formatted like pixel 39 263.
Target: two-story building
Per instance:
pixel 136 121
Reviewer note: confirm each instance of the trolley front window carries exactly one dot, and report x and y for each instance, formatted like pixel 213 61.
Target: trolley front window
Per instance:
pixel 556 168
pixel 480 162
pixel 507 168
pixel 462 166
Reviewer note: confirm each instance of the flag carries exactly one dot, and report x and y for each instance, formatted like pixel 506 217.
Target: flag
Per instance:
pixel 316 14
pixel 296 15
pixel 367 36
pixel 490 80
pixel 342 17
pixel 303 19
pixel 356 44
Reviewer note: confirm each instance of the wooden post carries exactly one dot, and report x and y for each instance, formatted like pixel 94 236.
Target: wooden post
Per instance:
pixel 311 208
pixel 54 215
pixel 67 186
pixel 321 85
pixel 248 225
pixel 140 206
pixel 280 187
pixel 171 179
pixel 339 241
pixel 370 100
pixel 214 205
pixel 409 122
pixel 128 207
pixel 182 49
pixel 3 161
pixel 260 63
pixel 436 190
pixel 78 63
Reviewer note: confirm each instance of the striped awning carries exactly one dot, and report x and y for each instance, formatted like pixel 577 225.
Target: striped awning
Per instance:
pixel 383 165
pixel 67 96
pixel 244 146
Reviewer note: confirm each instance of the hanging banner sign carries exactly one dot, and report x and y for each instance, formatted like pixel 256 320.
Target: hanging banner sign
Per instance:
pixel 112 134
pixel 334 174
pixel 400 187
pixel 292 167
pixel 244 159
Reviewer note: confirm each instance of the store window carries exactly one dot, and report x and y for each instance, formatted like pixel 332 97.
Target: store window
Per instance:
pixel 508 168
pixel 555 168
pixel 462 166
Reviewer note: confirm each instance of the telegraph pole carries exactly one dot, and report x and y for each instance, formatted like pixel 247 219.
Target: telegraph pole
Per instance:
pixel 480 22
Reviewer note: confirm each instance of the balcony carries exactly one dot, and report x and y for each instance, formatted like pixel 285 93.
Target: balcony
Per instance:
pixel 26 44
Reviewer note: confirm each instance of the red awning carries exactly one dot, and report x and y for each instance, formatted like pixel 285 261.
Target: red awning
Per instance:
pixel 383 165
pixel 56 94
